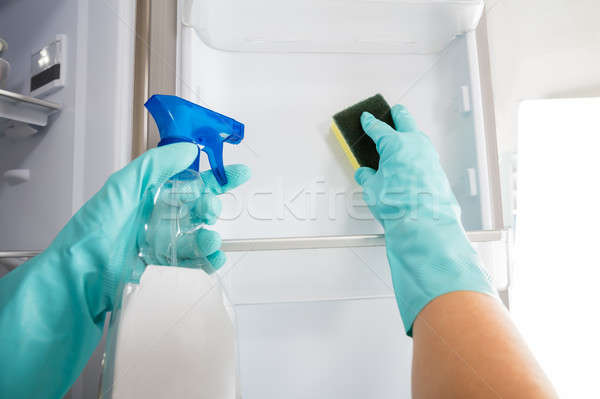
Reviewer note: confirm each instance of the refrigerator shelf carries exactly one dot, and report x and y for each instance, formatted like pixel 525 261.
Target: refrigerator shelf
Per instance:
pixel 294 243
pixel 336 26
pixel 20 108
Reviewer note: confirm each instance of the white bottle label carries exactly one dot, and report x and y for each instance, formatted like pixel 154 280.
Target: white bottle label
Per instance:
pixel 175 338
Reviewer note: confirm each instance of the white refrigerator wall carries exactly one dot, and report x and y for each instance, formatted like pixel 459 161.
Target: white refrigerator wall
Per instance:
pixel 90 137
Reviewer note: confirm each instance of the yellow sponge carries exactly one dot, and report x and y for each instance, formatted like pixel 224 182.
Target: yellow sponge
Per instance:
pixel 340 138
pixel 346 126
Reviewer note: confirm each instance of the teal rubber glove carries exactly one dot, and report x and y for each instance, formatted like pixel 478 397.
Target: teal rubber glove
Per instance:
pixel 427 247
pixel 52 308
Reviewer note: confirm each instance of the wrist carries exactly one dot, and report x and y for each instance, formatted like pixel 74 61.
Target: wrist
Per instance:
pixel 429 258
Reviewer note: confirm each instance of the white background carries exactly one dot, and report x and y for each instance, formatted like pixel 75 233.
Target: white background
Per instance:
pixel 555 294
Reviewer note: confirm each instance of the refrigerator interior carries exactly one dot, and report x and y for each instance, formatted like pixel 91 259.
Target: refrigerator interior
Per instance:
pixel 325 321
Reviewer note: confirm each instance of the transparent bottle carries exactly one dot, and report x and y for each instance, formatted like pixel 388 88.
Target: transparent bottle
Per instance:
pixel 172 333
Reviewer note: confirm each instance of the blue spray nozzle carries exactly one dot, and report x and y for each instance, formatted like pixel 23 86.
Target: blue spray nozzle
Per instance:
pixel 179 120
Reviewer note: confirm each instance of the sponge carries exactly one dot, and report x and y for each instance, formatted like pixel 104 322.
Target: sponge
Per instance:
pixel 359 148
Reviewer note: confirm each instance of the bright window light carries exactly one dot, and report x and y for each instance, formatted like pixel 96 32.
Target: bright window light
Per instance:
pixel 556 288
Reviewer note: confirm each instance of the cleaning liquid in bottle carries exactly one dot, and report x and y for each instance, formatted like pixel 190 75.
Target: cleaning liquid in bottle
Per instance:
pixel 173 334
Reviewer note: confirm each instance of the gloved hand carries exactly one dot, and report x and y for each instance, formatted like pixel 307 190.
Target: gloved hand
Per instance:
pixel 174 234
pixel 427 248
pixel 52 308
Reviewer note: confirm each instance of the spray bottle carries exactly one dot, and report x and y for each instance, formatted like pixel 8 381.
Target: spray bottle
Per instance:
pixel 174 333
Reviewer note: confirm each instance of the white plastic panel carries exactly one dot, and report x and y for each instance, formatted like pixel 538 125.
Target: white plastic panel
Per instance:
pixel 496 257
pixel 375 26
pixel 302 184
pixel 307 275
pixel 352 350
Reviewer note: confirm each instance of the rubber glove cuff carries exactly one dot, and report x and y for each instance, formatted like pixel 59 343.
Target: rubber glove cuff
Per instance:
pixel 422 272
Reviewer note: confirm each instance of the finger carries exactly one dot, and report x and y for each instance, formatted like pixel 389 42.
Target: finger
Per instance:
pixel 377 130
pixel 206 209
pixel 210 264
pixel 236 175
pixel 385 137
pixel 184 188
pixel 197 245
pixel 403 120
pixel 363 174
pixel 217 260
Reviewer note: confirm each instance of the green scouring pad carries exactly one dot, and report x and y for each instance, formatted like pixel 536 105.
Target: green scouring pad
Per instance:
pixel 359 147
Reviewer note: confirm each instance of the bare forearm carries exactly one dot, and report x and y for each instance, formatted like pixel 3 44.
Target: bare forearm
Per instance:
pixel 466 346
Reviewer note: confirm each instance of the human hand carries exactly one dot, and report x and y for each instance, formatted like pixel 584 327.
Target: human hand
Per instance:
pixel 427 248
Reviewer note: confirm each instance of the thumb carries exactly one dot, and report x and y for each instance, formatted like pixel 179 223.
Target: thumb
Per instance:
pixel 236 175
pixel 403 120
pixel 363 174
